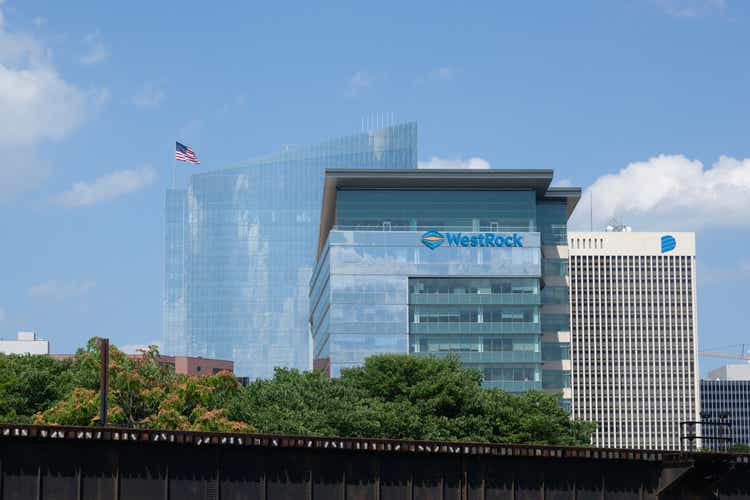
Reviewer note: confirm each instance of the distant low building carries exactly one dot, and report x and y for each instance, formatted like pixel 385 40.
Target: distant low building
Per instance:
pixel 726 395
pixel 185 365
pixel 731 372
pixel 24 343
pixel 188 365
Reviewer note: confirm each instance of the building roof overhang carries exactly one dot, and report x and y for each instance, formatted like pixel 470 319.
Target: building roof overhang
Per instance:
pixel 336 179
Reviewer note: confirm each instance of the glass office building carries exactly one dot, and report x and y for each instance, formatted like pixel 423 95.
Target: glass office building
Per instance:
pixel 240 248
pixel 470 263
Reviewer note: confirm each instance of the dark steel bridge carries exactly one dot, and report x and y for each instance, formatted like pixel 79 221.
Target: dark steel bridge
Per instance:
pixel 77 463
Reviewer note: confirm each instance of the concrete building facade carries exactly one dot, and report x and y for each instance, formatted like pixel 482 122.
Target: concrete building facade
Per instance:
pixel 634 337
pixel 184 365
pixel 24 343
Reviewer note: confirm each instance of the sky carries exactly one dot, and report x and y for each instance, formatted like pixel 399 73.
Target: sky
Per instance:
pixel 643 103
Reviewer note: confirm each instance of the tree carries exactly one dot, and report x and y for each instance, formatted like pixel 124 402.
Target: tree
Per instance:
pixel 390 396
pixel 199 403
pixel 144 392
pixel 29 384
pixel 740 448
pixel 407 397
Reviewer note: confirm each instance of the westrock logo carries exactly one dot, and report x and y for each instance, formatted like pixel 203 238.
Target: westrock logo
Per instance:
pixel 433 239
pixel 668 243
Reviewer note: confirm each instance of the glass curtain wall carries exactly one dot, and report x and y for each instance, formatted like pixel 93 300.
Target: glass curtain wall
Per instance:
pixel 555 314
pixel 241 245
pixel 490 324
pixel 407 210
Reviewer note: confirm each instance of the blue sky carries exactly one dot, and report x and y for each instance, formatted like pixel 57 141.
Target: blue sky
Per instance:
pixel 653 93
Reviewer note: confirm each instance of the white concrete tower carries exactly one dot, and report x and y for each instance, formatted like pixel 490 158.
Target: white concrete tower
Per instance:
pixel 634 339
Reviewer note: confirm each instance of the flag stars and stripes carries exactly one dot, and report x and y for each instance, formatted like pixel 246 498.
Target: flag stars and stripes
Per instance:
pixel 185 153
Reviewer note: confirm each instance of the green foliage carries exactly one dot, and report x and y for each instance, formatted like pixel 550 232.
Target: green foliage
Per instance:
pixel 407 397
pixel 29 384
pixel 145 393
pixel 740 448
pixel 199 403
pixel 80 407
pixel 390 396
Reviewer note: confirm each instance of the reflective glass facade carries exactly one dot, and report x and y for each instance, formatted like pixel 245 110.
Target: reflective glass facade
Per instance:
pixel 240 249
pixel 730 398
pixel 504 311
pixel 448 210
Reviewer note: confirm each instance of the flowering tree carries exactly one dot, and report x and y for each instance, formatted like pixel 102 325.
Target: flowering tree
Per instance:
pixel 144 392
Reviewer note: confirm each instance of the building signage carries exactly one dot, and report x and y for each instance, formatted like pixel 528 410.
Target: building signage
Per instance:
pixel 668 243
pixel 433 239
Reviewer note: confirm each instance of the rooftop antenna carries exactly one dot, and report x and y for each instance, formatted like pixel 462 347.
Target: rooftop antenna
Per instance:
pixel 591 210
pixel 617 226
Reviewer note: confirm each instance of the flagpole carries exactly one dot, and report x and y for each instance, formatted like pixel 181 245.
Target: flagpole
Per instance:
pixel 174 171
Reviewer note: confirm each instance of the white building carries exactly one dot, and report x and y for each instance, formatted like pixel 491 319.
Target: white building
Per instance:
pixel 726 394
pixel 731 372
pixel 634 337
pixel 24 343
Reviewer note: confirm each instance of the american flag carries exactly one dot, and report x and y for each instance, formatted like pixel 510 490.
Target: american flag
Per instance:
pixel 185 153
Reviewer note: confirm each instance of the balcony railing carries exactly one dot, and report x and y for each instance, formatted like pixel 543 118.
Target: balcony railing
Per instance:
pixel 406 227
pixel 512 385
pixel 488 356
pixel 458 328
pixel 475 298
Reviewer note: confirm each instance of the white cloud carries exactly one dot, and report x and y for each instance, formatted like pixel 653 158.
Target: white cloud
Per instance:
pixel 441 73
pixel 562 183
pixel 61 290
pixel 21 169
pixel 711 275
pixel 96 51
pixel 692 8
pixel 150 95
pixel 36 105
pixel 473 163
pixel 444 73
pixel 136 348
pixel 671 191
pixel 191 128
pixel 360 81
pixel 107 187
pixel 101 96
pixel 239 101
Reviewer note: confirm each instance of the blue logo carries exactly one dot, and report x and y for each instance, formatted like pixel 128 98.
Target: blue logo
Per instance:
pixel 432 239
pixel 668 243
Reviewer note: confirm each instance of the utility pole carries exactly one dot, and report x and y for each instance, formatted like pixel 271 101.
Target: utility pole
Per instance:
pixel 104 381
